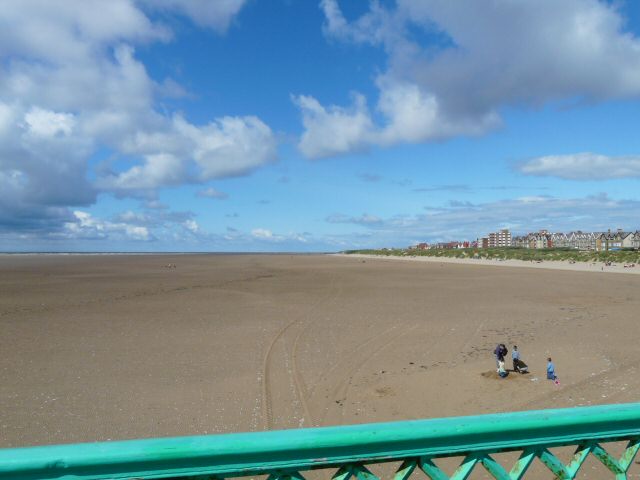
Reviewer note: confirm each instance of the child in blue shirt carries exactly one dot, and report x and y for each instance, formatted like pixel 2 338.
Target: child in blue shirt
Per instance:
pixel 551 370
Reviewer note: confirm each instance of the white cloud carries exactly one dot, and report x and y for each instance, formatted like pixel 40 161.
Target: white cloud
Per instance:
pixel 212 193
pixel 364 219
pixel 457 83
pixel 132 217
pixel 156 228
pixel 157 170
pixel 45 123
pixel 412 115
pixel 373 27
pixel 151 226
pixel 155 205
pixel 229 146
pixel 42 164
pixel 336 25
pixel 262 234
pixel 583 166
pixel 85 226
pixel 73 30
pixel 532 199
pixel 192 226
pixel 265 236
pixel 71 84
pixel 179 152
pixel 206 13
pixel 333 130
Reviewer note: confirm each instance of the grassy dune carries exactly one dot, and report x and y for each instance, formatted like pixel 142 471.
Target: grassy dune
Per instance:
pixel 552 254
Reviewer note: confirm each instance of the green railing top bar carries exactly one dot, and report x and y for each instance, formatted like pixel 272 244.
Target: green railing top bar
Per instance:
pixel 241 454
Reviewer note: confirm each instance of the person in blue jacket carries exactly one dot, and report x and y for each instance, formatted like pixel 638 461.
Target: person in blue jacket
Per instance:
pixel 515 356
pixel 551 370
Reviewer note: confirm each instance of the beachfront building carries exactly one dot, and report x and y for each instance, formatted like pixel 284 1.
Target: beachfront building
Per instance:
pixel 499 239
pixel 615 240
pixel 540 240
pixel 583 240
pixel 578 240
pixel 520 241
pixel 559 240
pixel 446 245
pixel 626 239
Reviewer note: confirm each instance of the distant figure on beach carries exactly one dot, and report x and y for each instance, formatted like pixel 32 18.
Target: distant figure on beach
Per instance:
pixel 502 372
pixel 551 370
pixel 500 352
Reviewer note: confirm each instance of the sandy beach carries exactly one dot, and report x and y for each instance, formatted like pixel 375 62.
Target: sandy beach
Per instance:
pixel 116 347
pixel 595 267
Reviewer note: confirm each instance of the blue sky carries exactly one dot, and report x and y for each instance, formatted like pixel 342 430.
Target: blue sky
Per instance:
pixel 294 125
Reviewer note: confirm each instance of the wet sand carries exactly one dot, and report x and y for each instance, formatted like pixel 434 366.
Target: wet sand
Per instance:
pixel 116 347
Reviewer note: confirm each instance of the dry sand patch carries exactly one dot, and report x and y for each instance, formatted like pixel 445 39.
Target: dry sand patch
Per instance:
pixel 112 347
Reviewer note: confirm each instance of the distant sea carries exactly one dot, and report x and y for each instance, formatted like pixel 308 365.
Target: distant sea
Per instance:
pixel 165 253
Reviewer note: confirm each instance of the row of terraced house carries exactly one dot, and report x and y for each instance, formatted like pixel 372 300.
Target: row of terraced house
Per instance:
pixel 597 241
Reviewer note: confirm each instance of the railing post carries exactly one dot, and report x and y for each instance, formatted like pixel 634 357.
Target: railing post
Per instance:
pixel 523 463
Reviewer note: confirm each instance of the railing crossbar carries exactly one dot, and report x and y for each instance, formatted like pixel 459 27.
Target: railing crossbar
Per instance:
pixel 285 455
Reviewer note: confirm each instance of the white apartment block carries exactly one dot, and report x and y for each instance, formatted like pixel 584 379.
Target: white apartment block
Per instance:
pixel 501 238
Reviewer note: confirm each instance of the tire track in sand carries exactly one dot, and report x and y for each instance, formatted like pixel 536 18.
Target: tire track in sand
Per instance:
pixel 353 362
pixel 267 408
pixel 298 381
pixel 297 376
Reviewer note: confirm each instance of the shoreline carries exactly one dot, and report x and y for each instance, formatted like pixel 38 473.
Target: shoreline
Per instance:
pixel 592 267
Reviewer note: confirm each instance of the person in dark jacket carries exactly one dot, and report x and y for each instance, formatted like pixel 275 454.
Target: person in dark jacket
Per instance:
pixel 500 352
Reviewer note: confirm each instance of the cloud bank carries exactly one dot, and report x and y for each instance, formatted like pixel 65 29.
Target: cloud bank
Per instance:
pixel 583 166
pixel 457 72
pixel 71 86
pixel 464 220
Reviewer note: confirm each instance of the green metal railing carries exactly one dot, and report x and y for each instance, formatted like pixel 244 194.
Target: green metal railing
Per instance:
pixel 284 455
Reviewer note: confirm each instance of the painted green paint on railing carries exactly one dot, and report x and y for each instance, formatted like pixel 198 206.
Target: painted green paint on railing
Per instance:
pixel 283 455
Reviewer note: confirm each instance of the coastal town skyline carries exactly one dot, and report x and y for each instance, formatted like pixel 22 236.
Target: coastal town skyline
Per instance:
pixel 182 125
pixel 616 239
